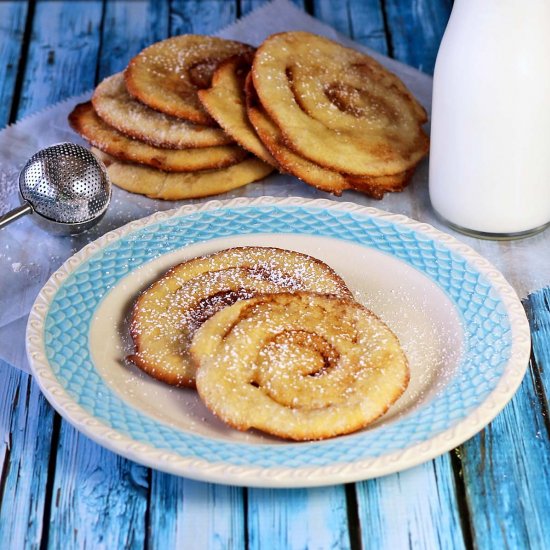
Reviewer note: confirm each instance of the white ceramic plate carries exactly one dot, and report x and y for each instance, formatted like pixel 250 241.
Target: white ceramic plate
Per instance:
pixel 462 327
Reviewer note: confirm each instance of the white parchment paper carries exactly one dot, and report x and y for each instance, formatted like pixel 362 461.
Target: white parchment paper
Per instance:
pixel 28 255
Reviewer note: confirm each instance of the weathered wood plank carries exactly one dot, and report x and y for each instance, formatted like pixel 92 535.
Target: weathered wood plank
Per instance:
pixel 26 424
pixel 54 69
pixel 128 27
pixel 190 514
pixel 12 26
pixel 99 500
pixel 63 53
pixel 298 518
pixel 506 467
pixel 538 307
pixel 246 6
pixel 201 16
pixel 415 29
pixel 362 20
pixel 416 508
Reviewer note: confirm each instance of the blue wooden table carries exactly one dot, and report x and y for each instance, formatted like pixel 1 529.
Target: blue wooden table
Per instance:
pixel 60 490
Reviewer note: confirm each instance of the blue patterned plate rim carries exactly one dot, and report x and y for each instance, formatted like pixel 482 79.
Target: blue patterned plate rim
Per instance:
pixel 59 364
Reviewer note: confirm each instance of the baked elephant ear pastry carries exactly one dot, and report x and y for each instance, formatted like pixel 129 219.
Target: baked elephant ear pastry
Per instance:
pixel 299 366
pixel 90 126
pixel 338 107
pixel 288 160
pixel 309 172
pixel 119 109
pixel 167 314
pixel 175 186
pixel 167 75
pixel 225 100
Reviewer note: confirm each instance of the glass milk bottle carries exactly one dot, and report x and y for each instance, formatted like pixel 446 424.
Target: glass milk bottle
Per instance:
pixel 490 137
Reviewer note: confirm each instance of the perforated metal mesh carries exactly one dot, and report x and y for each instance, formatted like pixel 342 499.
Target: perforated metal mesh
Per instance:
pixel 65 183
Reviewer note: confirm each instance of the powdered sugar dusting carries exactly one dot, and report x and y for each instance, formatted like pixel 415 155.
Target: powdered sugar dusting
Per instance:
pixel 170 311
pixel 8 190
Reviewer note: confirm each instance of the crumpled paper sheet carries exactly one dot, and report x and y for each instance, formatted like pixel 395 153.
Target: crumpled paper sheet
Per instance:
pixel 28 255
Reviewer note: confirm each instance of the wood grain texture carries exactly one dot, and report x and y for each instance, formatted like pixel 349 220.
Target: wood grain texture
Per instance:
pixel 63 53
pixel 201 16
pixel 538 307
pixel 89 480
pixel 298 518
pixel 128 27
pixel 99 499
pixel 415 29
pixel 26 422
pixel 190 514
pixel 362 20
pixel 416 508
pixel 506 467
pixel 246 6
pixel 12 26
pixel 62 44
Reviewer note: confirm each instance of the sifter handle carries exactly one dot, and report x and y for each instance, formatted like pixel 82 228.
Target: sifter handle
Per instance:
pixel 15 214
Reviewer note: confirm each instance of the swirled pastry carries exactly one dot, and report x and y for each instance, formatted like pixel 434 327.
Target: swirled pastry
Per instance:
pixel 226 102
pixel 338 107
pixel 167 75
pixel 85 121
pixel 173 186
pixel 306 170
pixel 300 366
pixel 119 109
pixel 168 313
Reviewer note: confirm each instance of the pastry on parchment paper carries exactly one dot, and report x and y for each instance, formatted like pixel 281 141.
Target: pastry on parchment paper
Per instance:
pixel 225 100
pixel 89 125
pixel 308 171
pixel 123 112
pixel 338 107
pixel 173 186
pixel 167 75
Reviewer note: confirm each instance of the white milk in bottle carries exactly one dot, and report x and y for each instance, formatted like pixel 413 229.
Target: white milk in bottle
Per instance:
pixel 490 137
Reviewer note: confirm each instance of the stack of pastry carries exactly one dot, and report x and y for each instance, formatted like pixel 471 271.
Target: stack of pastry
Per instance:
pixel 151 131
pixel 330 115
pixel 305 105
pixel 271 339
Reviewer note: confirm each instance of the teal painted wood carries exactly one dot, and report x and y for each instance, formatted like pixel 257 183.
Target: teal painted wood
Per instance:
pixel 298 518
pixel 538 306
pixel 417 508
pixel 362 20
pixel 12 26
pixel 26 424
pixel 54 69
pixel 63 53
pixel 99 500
pixel 415 30
pixel 246 6
pixel 128 27
pixel 201 16
pixel 190 514
pixel 506 467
